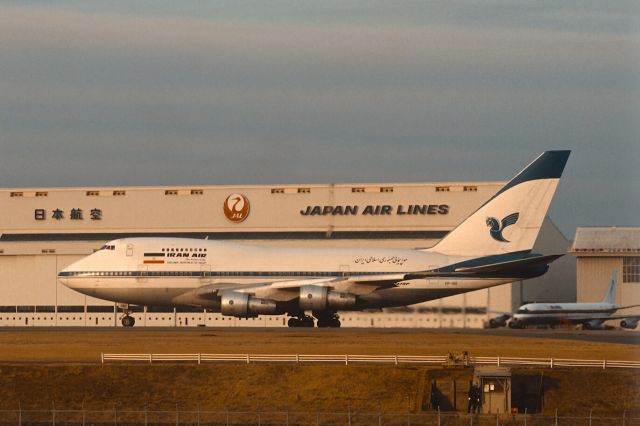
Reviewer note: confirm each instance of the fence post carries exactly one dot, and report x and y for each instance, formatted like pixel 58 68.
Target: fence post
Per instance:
pixel 199 358
pixel 590 412
pixel 525 416
pixel 102 357
pixel 248 359
pixel 396 359
pixel 498 361
pixel 498 418
pixel 150 358
pixel 556 417
pixel 439 420
pixel 346 360
pixel 604 364
pixel 551 363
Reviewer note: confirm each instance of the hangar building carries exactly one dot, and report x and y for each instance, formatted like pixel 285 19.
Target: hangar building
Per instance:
pixel 42 230
pixel 601 250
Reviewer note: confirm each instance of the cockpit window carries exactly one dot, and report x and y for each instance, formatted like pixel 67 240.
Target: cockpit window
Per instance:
pixel 107 247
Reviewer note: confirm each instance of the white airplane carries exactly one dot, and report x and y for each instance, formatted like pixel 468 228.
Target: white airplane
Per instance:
pixel 590 315
pixel 490 247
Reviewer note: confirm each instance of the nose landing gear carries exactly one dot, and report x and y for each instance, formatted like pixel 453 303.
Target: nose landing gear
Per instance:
pixel 127 320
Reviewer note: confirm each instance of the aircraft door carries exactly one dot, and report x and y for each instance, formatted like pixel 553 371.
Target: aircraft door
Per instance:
pixel 205 273
pixel 129 249
pixel 143 273
pixel 344 271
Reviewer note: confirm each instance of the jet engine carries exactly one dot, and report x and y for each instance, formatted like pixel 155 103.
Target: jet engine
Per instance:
pixel 592 325
pixel 316 298
pixel 243 305
pixel 629 323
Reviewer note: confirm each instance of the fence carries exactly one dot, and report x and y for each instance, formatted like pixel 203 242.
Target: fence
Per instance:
pixel 199 417
pixel 368 359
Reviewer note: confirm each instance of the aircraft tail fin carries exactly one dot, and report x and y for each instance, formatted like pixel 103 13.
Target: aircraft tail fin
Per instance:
pixel 510 221
pixel 610 295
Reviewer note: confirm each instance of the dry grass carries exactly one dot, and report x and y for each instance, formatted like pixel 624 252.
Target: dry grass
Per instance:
pixel 86 345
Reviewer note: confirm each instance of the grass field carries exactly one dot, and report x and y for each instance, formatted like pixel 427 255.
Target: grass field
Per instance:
pixel 58 345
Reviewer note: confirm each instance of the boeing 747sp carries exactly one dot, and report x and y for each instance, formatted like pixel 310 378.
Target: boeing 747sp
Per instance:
pixel 490 247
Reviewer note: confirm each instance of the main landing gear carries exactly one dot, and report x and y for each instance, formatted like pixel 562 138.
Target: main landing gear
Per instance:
pixel 327 319
pixel 127 320
pixel 300 321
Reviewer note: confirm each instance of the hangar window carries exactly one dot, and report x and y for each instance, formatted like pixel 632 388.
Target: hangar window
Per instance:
pixel 93 193
pixel 631 269
pixel 170 192
pixel 386 189
pixel 41 194
pixel 197 192
pixel 16 194
pixel 442 189
pixel 304 190
pixel 357 189
pixel 119 193
pixel 470 189
pixel 277 190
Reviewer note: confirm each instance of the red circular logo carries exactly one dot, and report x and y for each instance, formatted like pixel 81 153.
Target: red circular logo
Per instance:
pixel 236 207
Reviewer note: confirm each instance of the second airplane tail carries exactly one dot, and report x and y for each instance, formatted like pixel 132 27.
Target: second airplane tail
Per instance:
pixel 510 221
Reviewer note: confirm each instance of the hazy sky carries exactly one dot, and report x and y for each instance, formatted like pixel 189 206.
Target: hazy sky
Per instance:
pixel 191 92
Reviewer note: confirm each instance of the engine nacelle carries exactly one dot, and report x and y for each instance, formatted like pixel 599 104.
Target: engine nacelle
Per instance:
pixel 629 323
pixel 317 298
pixel 500 321
pixel 592 325
pixel 243 305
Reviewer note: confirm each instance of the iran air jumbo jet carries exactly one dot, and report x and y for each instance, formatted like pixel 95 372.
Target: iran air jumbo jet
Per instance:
pixel 490 247
pixel 590 315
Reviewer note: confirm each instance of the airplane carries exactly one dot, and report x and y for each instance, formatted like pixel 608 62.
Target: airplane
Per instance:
pixel 590 315
pixel 492 246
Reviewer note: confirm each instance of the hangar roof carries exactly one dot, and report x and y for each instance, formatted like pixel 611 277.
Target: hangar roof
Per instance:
pixel 606 241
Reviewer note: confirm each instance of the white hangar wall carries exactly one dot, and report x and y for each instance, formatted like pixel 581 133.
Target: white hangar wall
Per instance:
pixel 45 229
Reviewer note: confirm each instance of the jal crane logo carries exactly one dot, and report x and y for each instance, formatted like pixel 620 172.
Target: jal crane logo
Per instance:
pixel 236 207
pixel 496 229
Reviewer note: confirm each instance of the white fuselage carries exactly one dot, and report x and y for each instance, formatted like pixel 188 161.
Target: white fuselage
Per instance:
pixel 166 271
pixel 559 313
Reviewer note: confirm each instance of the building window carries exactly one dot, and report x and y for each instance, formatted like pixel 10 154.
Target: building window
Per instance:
pixel 41 194
pixel 631 269
pixel 470 189
pixel 386 189
pixel 119 193
pixel 358 189
pixel 16 194
pixel 170 192
pixel 196 192
pixel 277 190
pixel 92 193
pixel 304 190
pixel 442 189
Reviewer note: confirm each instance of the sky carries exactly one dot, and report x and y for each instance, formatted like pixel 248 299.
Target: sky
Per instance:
pixel 132 93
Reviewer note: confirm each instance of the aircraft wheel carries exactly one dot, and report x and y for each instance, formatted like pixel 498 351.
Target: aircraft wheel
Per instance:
pixel 128 321
pixel 335 323
pixel 293 322
pixel 322 323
